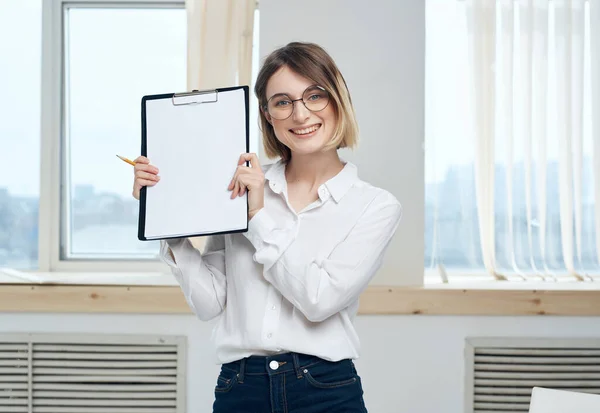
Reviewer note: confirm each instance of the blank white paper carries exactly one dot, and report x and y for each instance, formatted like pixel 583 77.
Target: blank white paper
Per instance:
pixel 196 149
pixel 559 401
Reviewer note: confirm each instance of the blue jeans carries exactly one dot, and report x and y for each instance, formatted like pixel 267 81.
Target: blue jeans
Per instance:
pixel 288 383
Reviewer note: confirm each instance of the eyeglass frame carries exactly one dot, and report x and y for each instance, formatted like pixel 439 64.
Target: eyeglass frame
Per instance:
pixel 266 107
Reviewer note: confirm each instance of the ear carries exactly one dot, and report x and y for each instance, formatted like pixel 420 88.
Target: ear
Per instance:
pixel 266 115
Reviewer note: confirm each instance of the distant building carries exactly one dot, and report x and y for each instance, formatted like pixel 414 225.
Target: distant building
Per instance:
pixel 83 192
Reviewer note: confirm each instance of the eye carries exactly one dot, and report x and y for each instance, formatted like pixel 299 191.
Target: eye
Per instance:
pixel 314 97
pixel 282 103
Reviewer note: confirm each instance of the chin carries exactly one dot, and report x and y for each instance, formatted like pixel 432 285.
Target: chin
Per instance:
pixel 307 149
pixel 307 146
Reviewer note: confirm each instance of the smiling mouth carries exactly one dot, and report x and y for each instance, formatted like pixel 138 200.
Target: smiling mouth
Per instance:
pixel 305 131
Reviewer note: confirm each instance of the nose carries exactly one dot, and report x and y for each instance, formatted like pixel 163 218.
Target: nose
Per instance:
pixel 301 113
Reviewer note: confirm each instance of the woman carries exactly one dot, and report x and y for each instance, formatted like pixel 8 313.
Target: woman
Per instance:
pixel 287 290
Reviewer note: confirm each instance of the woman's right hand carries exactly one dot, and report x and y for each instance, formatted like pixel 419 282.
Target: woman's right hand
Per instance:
pixel 144 175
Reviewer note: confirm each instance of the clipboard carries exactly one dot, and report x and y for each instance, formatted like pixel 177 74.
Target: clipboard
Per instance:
pixel 195 139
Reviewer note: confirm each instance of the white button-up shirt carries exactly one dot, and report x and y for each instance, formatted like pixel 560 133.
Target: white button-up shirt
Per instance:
pixel 292 282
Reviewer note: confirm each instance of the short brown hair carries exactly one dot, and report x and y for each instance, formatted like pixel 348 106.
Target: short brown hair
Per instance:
pixel 313 62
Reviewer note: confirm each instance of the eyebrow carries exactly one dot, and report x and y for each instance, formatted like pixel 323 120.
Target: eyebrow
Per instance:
pixel 278 94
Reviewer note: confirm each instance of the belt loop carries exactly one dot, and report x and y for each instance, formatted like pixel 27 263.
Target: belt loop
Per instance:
pixel 297 365
pixel 242 371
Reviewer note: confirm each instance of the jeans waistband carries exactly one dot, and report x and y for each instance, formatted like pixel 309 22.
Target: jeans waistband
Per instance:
pixel 276 364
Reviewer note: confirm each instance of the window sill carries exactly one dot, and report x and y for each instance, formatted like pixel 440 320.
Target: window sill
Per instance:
pixel 159 293
pixel 154 279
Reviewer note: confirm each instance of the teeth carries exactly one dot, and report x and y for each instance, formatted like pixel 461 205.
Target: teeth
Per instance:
pixel 305 131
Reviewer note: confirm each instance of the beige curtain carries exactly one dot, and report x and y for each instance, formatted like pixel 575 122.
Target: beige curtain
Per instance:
pixel 219 48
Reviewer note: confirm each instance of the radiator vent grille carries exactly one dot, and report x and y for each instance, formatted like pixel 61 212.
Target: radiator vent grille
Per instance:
pixel 501 373
pixel 99 374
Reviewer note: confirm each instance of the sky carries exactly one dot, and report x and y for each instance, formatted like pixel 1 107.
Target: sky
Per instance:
pixel 117 56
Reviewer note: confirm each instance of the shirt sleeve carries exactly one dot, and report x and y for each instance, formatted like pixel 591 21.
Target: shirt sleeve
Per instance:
pixel 200 276
pixel 321 287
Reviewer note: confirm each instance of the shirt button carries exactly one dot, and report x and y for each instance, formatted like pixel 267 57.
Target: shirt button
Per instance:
pixel 273 308
pixel 269 335
pixel 274 365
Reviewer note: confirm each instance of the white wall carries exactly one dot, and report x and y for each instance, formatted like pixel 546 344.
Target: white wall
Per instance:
pixel 380 48
pixel 410 364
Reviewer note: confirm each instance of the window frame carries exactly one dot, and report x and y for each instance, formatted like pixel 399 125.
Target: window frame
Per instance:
pixel 52 217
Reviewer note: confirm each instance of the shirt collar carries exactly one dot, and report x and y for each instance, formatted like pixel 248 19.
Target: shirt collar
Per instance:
pixel 276 176
pixel 338 186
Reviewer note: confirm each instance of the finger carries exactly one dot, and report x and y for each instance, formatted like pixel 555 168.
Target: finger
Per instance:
pixel 255 162
pixel 240 186
pixel 252 158
pixel 232 183
pixel 137 186
pixel 233 189
pixel 246 182
pixel 147 176
pixel 243 189
pixel 234 179
pixel 145 182
pixel 141 159
pixel 236 188
pixel 249 181
pixel 238 171
pixel 146 168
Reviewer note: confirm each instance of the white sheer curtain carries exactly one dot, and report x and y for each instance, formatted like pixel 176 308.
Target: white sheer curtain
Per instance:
pixel 482 42
pixel 532 121
pixel 219 43
pixel 538 66
pixel 595 112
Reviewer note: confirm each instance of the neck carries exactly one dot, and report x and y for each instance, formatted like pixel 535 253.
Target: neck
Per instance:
pixel 313 169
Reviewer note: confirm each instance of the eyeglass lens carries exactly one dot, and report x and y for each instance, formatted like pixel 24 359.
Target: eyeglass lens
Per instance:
pixel 281 106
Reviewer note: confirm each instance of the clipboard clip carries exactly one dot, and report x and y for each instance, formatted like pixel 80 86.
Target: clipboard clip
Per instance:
pixel 195 97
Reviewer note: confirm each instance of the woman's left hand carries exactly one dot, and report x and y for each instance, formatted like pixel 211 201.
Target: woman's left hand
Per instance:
pixel 252 179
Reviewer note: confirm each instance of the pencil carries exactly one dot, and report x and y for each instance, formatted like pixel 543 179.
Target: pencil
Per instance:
pixel 126 160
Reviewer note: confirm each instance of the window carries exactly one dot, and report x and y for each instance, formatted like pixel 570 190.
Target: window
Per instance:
pixel 98 60
pixel 106 74
pixel 20 42
pixel 509 146
pixel 73 77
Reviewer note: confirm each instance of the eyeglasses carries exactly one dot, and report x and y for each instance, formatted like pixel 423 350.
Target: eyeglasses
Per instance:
pixel 281 106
